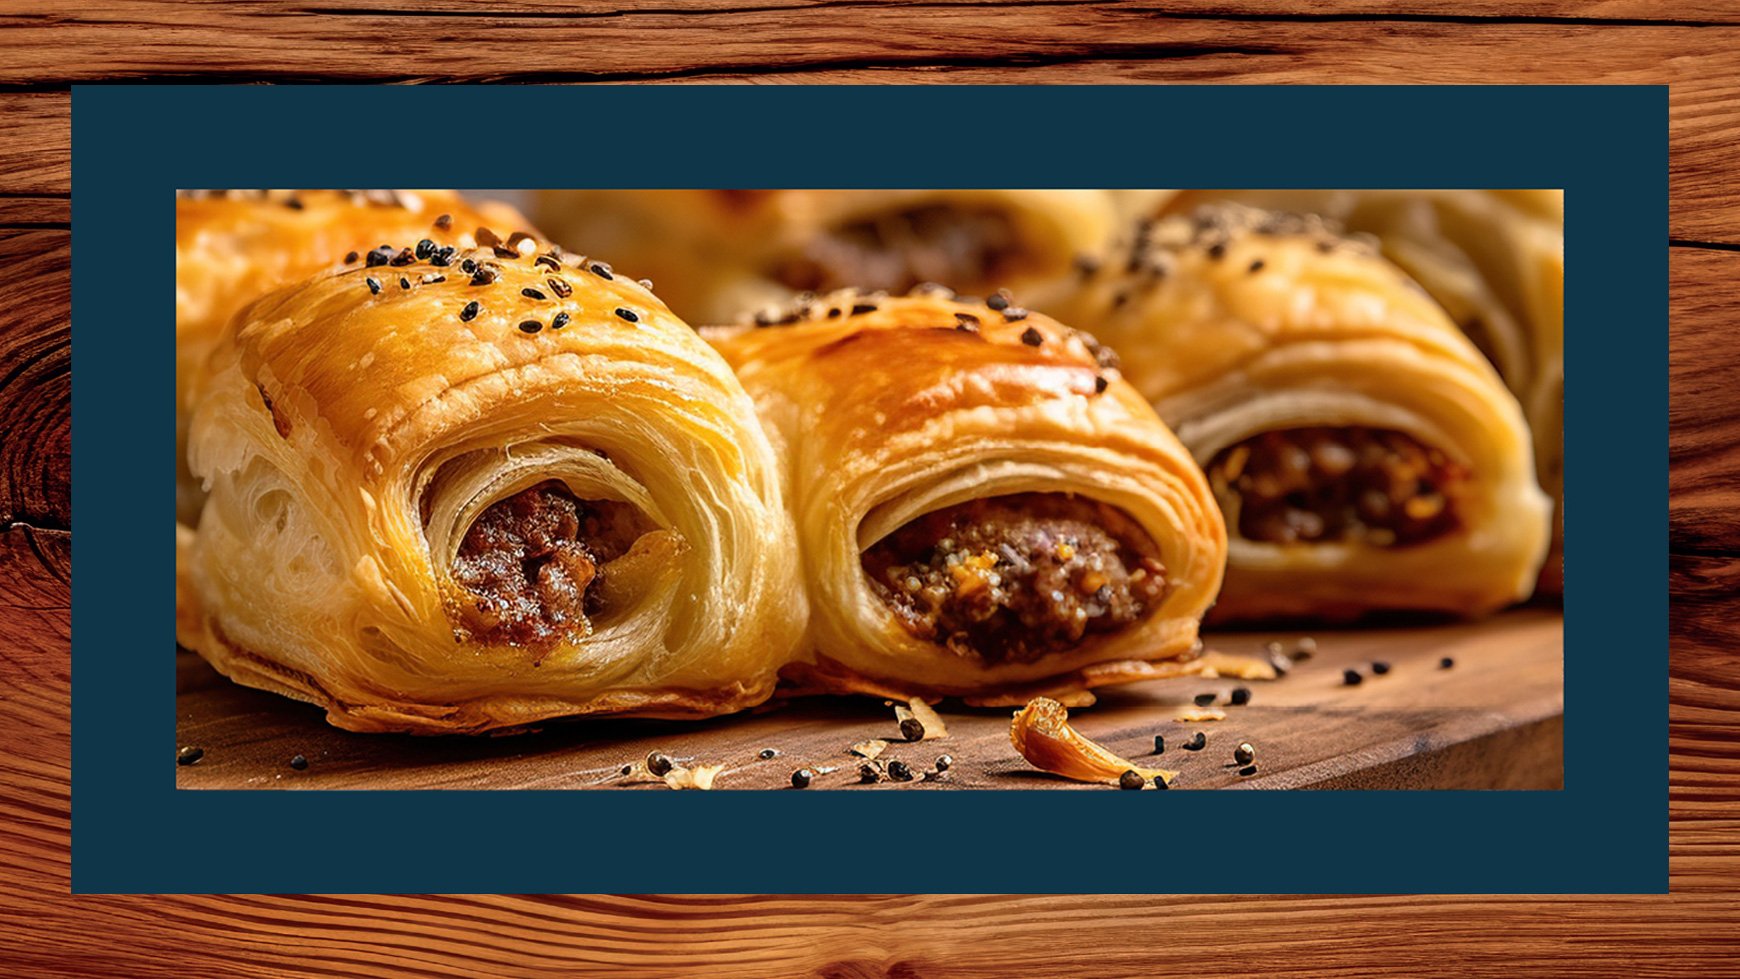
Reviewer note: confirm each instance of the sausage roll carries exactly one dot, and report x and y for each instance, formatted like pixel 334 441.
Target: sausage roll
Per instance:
pixel 1495 260
pixel 480 490
pixel 234 246
pixel 984 507
pixel 1365 454
pixel 720 253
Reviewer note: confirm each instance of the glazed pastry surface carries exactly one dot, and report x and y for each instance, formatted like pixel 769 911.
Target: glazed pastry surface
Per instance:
pixel 985 508
pixel 482 490
pixel 1495 260
pixel 726 253
pixel 232 247
pixel 1366 455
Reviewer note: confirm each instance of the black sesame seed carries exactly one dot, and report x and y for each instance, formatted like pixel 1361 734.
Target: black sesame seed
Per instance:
pixel 484 275
pixel 1204 699
pixel 469 313
pixel 1159 744
pixel 767 753
pixel 1197 742
pixel 1352 678
pixel 1032 337
pixel 943 762
pixel 1131 779
pixel 627 314
pixel 467 266
pixel 443 257
pixel 189 755
pixel 294 204
pixel 298 762
pixel 912 729
pixel 349 257
pixel 405 257
pixel 658 763
pixel 530 326
pixel 1256 266
pixel 379 256
pixel 1161 783
pixel 1248 771
pixel 801 778
pixel 1446 663
pixel 531 293
pixel 560 320
pixel 626 769
pixel 859 309
pixel 998 301
pixel 550 260
pixel 374 284
pixel 425 248
pixel 868 773
pixel 444 222
pixel 1100 384
pixel 601 270
pixel 1087 264
pixel 562 289
pixel 1244 754
pixel 1217 251
pixel 1240 696
pixel 404 283
pixel 899 771
pixel 1380 667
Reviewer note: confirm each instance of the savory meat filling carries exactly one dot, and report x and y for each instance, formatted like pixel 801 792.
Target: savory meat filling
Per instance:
pixel 1309 485
pixel 532 563
pixel 939 243
pixel 1016 578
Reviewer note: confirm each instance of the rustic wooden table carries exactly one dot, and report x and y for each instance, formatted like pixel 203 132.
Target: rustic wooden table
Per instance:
pixel 1694 45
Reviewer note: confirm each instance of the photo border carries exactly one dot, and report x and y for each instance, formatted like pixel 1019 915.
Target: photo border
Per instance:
pixel 1605 831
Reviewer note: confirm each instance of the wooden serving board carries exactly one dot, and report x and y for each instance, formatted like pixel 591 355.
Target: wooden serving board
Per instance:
pixel 1493 720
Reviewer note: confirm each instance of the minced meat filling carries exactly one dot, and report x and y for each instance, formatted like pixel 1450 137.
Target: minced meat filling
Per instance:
pixel 531 563
pixel 1016 578
pixel 1308 485
pixel 895 252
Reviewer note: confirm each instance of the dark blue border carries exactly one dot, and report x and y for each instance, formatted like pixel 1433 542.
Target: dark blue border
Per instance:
pixel 1605 832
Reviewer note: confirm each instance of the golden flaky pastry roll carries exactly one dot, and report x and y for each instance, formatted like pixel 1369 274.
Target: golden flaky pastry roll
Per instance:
pixel 233 246
pixel 482 493
pixel 1495 260
pixel 1366 455
pixel 717 254
pixel 984 508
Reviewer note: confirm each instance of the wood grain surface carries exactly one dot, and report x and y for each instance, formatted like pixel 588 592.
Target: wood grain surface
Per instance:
pixel 1692 45
pixel 1495 720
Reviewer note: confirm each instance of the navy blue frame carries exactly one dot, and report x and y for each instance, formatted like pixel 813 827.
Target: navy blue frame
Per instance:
pixel 1604 832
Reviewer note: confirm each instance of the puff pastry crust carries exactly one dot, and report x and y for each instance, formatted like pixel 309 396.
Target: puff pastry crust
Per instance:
pixel 1063 536
pixel 1495 260
pixel 1368 456
pixel 478 495
pixel 232 247
pixel 717 254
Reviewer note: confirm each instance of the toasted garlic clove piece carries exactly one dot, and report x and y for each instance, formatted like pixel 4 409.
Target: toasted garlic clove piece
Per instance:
pixel 1041 733
pixel 700 777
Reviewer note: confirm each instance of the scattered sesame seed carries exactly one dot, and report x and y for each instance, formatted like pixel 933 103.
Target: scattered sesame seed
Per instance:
pixel 530 326
pixel 560 320
pixel 1240 696
pixel 374 284
pixel 658 763
pixel 1160 782
pixel 944 762
pixel 1256 266
pixel 1159 744
pixel 560 287
pixel 298 762
pixel 767 753
pixel 1100 384
pixel 912 729
pixel 1032 337
pixel 349 257
pixel 1197 742
pixel 627 314
pixel 550 260
pixel 1244 754
pixel 294 204
pixel 644 284
pixel 868 773
pixel 443 257
pixel 967 321
pixel 425 248
pixel 531 293
pixel 484 275
pixel 1248 771
pixel 1131 779
pixel 801 778
pixel 1352 678
pixel 1217 251
pixel 859 309
pixel 379 256
pixel 1014 313
pixel 1446 663
pixel 404 283
pixel 601 270
pixel 189 755
pixel 405 257
pixel 1204 699
pixel 1380 667
pixel 899 771
pixel 469 313
pixel 444 222
pixel 998 300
